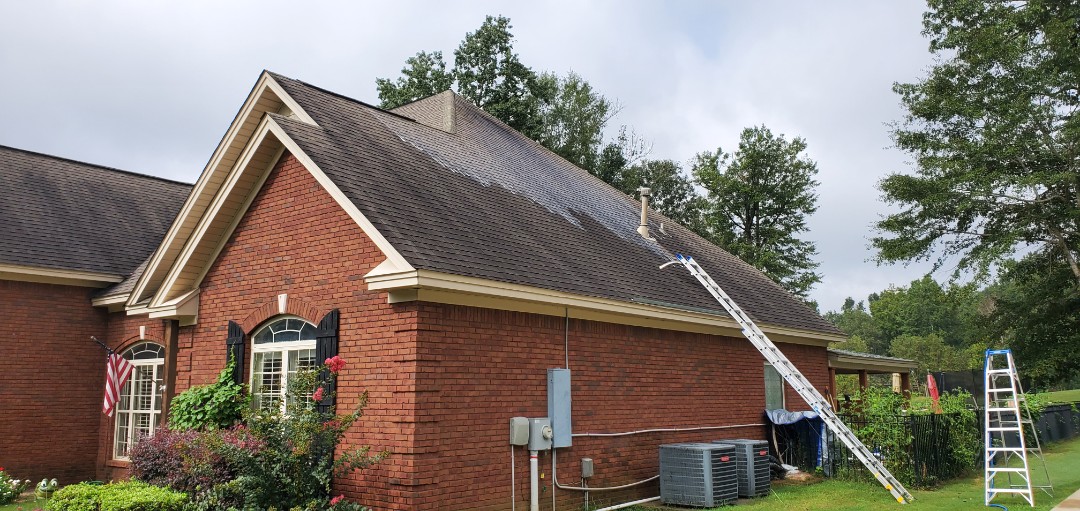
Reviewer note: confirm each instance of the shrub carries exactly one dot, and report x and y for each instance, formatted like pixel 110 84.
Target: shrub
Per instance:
pixel 276 460
pixel 10 488
pixel 193 461
pixel 213 406
pixel 123 496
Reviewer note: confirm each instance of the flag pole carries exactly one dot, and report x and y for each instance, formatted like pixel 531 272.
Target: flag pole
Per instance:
pixel 103 345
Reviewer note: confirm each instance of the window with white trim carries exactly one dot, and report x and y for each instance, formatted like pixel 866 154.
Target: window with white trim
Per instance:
pixel 138 413
pixel 279 349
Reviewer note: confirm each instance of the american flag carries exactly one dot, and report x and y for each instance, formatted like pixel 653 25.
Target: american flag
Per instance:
pixel 119 371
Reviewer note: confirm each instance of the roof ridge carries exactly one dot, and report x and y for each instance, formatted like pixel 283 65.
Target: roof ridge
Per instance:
pixel 96 165
pixel 338 94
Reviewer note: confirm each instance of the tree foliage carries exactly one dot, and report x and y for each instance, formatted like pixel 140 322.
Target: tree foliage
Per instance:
pixel 573 121
pixel 995 135
pixel 759 198
pixel 673 193
pixel 1037 313
pixel 423 75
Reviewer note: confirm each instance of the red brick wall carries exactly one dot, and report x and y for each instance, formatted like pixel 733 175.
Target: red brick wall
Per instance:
pixel 52 380
pixel 485 366
pixel 296 239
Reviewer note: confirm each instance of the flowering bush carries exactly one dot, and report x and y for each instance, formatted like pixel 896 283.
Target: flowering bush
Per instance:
pixel 274 460
pixel 10 488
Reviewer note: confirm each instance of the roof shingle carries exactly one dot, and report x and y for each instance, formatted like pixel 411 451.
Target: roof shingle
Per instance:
pixel 482 200
pixel 65 214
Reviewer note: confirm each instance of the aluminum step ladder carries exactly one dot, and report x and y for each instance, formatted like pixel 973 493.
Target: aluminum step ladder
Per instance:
pixel 797 381
pixel 1006 454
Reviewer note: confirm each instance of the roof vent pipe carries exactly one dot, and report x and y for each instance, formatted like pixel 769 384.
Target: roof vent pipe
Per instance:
pixel 643 229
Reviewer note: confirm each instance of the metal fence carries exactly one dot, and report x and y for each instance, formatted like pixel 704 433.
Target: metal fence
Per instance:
pixel 919 450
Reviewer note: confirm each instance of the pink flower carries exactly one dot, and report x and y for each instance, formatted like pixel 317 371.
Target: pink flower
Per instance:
pixel 318 395
pixel 334 501
pixel 335 364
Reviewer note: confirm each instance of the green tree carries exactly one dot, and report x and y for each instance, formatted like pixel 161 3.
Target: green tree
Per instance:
pixel 995 137
pixel 758 201
pixel 925 307
pixel 423 75
pixel 855 320
pixel 486 71
pixel 573 122
pixel 1036 311
pixel 930 351
pixel 616 158
pixel 673 193
pixel 567 115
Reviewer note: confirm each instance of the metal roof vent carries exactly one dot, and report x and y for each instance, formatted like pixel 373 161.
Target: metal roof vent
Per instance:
pixel 643 229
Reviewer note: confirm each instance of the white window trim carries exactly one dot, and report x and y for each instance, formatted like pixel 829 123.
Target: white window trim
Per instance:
pixel 277 347
pixel 155 396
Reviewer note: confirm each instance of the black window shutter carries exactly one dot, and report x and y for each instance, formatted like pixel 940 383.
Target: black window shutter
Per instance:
pixel 326 346
pixel 235 344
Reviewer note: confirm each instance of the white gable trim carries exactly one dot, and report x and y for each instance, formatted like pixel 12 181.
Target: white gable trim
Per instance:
pixel 258 94
pixel 268 130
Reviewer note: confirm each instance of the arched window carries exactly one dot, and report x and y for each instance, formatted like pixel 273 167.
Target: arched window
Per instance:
pixel 139 411
pixel 280 348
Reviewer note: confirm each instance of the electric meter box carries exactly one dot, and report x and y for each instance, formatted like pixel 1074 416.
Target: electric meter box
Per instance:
pixel 540 434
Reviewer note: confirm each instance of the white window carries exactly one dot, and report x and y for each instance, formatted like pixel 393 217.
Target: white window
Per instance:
pixel 139 411
pixel 774 388
pixel 280 349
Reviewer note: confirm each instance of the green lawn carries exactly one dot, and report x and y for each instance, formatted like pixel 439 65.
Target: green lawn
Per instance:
pixel 1062 396
pixel 1063 461
pixel 24 505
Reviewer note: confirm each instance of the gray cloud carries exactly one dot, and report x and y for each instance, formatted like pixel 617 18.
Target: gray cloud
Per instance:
pixel 151 87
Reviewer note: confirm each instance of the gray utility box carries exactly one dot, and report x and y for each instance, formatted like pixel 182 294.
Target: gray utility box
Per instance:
pixel 558 393
pixel 752 462
pixel 698 474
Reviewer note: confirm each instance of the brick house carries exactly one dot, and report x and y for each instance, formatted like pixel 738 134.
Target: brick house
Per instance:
pixel 449 259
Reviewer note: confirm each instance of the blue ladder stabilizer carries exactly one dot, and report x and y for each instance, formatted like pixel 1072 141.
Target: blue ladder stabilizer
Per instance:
pixel 997 352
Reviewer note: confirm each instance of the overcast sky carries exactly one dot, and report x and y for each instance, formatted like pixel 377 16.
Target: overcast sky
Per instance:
pixel 151 88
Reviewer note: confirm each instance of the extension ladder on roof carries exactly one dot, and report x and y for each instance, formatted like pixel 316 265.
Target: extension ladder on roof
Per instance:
pixel 1006 447
pixel 797 381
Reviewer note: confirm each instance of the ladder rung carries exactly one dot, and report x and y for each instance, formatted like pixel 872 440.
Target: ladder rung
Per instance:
pixel 1008 490
pixel 1013 410
pixel 1000 371
pixel 1005 449
pixel 1007 469
pixel 1005 428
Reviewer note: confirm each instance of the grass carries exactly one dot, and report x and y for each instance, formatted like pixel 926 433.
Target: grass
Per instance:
pixel 24 504
pixel 1062 460
pixel 1062 396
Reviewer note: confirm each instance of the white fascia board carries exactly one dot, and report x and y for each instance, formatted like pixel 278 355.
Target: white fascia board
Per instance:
pixel 425 279
pixel 56 276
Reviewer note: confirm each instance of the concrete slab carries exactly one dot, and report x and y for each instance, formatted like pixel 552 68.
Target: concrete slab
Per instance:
pixel 1070 504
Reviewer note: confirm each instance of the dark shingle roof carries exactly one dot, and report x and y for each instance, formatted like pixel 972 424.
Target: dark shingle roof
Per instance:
pixel 485 201
pixel 64 214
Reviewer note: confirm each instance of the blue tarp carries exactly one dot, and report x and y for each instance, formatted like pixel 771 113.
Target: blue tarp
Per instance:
pixel 782 417
pixel 810 433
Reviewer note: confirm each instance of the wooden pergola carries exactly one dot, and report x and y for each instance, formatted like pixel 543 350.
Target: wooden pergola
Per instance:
pixel 865 364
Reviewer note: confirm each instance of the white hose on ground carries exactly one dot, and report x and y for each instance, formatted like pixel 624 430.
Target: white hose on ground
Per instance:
pixel 628 504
